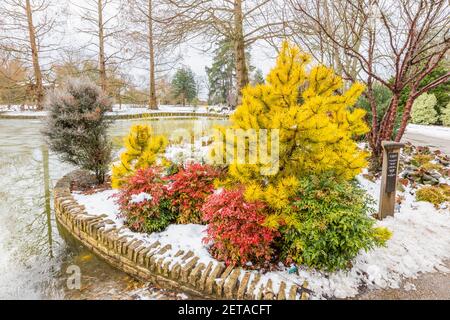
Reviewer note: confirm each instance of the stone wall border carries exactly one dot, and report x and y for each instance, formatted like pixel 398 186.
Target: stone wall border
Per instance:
pixel 147 262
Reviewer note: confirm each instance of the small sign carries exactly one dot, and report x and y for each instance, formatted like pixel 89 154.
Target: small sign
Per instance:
pixel 391 174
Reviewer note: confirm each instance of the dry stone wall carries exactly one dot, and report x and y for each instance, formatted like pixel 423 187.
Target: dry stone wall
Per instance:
pixel 178 270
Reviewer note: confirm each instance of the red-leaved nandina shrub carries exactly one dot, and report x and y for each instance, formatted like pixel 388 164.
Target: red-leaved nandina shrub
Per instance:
pixel 235 228
pixel 189 189
pixel 142 201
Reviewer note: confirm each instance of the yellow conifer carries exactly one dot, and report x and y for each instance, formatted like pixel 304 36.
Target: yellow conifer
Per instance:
pixel 316 121
pixel 142 149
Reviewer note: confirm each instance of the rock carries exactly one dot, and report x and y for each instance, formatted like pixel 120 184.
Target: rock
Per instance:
pixel 268 291
pixel 293 292
pixel 251 289
pixel 243 286
pixel 232 284
pixel 187 268
pixel 218 288
pixel 282 291
pixel 210 281
pixel 196 274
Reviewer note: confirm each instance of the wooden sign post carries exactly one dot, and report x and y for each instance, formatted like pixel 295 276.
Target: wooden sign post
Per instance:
pixel 391 156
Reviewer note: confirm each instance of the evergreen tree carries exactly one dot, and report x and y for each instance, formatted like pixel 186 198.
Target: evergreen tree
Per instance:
pixel 184 86
pixel 221 75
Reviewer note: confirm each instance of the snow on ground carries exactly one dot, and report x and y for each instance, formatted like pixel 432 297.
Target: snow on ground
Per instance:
pixel 420 243
pixel 431 131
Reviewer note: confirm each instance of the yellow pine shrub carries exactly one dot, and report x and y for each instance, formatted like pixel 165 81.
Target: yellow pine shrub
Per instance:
pixel 317 125
pixel 142 149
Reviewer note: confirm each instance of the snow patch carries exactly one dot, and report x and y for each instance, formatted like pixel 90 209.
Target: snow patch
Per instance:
pixel 141 197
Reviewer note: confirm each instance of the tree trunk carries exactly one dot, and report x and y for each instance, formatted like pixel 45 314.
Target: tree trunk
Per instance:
pixel 239 51
pixel 406 115
pixel 152 104
pixel 383 132
pixel 101 46
pixel 38 86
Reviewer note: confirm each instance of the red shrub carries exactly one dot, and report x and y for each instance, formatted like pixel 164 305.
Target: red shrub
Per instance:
pixel 236 230
pixel 189 189
pixel 142 201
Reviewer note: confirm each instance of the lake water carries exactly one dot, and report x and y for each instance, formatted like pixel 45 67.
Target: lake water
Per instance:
pixel 34 253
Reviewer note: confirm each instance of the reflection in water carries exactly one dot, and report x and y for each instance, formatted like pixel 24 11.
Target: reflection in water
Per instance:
pixel 48 211
pixel 34 253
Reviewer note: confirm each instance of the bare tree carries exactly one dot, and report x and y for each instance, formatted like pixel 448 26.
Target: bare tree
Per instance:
pixel 13 78
pixel 244 22
pixel 147 36
pixel 333 15
pixel 100 20
pixel 26 25
pixel 396 43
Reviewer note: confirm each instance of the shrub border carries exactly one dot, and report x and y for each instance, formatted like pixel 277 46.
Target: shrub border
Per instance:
pixel 145 261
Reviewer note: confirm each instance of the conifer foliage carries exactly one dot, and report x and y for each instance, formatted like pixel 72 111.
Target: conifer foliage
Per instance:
pixel 317 126
pixel 142 149
pixel 76 126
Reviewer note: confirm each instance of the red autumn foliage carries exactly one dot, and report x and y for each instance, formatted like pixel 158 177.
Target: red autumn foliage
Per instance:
pixel 147 214
pixel 189 189
pixel 235 228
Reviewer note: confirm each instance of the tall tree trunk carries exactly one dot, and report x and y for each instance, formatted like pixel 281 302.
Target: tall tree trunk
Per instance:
pixel 38 86
pixel 101 46
pixel 383 132
pixel 389 125
pixel 239 51
pixel 152 104
pixel 406 114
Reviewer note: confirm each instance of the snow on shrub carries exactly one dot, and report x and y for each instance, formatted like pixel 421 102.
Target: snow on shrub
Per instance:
pixel 76 126
pixel 236 230
pixel 143 203
pixel 188 190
